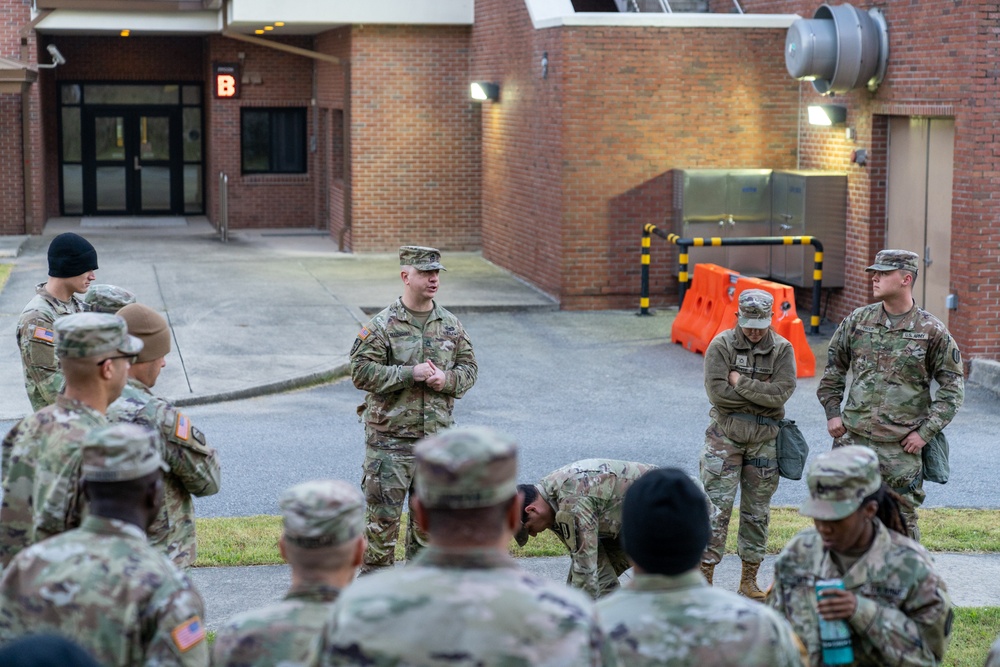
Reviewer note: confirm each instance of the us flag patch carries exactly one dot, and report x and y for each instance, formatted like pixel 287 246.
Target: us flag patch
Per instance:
pixel 364 333
pixel 182 429
pixel 188 634
pixel 43 334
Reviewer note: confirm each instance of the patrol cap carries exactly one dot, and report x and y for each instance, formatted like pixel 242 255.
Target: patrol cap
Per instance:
pixel 464 468
pixel 890 260
pixel 120 453
pixel 82 335
pixel 150 327
pixel 839 480
pixel 755 309
pixel 107 298
pixel 322 513
pixel 419 257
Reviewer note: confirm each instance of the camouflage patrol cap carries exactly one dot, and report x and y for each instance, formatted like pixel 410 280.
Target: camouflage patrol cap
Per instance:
pixel 322 513
pixel 890 260
pixel 107 298
pixel 755 309
pixel 463 468
pixel 839 480
pixel 120 453
pixel 82 335
pixel 419 257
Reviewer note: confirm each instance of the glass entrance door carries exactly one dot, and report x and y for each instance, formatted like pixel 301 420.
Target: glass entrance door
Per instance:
pixel 131 161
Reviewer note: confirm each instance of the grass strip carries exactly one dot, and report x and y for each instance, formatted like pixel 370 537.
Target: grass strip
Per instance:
pixel 974 631
pixel 254 540
pixel 5 270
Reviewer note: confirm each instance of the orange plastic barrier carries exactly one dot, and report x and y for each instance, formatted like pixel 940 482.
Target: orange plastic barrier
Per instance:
pixel 786 321
pixel 705 304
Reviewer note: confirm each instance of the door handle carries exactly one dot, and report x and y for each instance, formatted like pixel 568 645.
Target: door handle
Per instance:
pixel 927 256
pixel 135 163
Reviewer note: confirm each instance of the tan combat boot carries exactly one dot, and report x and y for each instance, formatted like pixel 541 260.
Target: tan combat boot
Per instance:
pixel 707 570
pixel 748 582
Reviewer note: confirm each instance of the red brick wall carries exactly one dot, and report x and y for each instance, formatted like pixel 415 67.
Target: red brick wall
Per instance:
pixel 11 173
pixel 333 96
pixel 942 62
pixel 260 200
pixel 414 139
pixel 575 164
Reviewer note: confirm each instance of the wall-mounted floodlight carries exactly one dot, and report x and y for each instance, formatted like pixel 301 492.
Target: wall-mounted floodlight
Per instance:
pixel 482 91
pixel 827 114
pixel 57 58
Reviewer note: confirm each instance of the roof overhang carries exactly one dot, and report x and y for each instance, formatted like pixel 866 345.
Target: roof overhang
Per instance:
pixel 558 13
pixel 79 22
pixel 15 75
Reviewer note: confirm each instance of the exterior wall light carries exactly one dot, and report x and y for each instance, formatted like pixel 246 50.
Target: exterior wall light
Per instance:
pixel 482 91
pixel 827 114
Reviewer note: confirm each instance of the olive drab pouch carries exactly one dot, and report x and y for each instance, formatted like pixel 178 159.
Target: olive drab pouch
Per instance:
pixel 935 459
pixel 792 450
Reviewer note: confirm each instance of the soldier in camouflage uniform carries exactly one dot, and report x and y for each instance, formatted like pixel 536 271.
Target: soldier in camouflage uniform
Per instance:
pixel 582 504
pixel 72 262
pixel 749 375
pixel 107 298
pixel 101 584
pixel 895 603
pixel 41 454
pixel 893 348
pixel 414 359
pixel 464 600
pixel 666 616
pixel 323 542
pixel 194 466
pixel 993 659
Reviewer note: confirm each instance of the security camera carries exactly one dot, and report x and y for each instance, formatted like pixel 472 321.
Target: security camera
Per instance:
pixel 57 58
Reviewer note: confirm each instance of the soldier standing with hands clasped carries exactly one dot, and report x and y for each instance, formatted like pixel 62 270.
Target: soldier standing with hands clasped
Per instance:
pixel 749 375
pixel 414 359
pixel 893 348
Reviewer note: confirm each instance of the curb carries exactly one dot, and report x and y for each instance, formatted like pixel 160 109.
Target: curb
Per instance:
pixel 300 382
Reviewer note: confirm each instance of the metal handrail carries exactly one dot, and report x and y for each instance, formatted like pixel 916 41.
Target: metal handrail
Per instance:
pixel 683 277
pixel 223 207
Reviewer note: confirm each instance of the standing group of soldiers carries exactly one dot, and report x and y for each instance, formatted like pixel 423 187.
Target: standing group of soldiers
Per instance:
pixel 461 599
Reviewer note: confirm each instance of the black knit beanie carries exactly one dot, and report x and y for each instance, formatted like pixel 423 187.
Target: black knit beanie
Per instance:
pixel 71 255
pixel 665 524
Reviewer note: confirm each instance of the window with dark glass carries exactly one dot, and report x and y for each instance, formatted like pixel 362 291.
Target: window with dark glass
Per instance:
pixel 273 141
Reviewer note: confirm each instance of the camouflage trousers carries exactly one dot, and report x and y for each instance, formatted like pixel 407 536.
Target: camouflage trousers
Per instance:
pixel 900 470
pixel 611 564
pixel 387 478
pixel 752 468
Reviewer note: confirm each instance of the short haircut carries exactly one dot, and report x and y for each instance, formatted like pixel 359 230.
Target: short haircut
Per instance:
pixel 530 492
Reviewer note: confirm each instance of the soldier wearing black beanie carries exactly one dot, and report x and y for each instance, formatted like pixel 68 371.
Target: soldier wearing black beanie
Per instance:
pixel 72 262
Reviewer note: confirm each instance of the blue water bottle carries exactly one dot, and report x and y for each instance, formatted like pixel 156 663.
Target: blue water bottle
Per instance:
pixel 834 636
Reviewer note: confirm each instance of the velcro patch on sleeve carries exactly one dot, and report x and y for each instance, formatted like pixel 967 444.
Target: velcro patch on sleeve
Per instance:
pixel 182 427
pixel 187 635
pixel 364 333
pixel 44 335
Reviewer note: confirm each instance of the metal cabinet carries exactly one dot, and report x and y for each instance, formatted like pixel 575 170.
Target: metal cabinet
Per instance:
pixel 725 203
pixel 809 203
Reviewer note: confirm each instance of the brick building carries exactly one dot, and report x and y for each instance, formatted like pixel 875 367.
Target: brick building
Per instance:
pixel 356 118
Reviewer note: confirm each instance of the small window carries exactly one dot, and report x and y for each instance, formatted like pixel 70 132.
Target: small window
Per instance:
pixel 274 141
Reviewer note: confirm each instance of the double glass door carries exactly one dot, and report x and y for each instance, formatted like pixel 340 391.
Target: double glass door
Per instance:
pixel 131 160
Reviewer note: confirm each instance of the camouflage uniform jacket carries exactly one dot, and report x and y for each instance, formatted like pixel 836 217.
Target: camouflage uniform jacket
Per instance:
pixel 41 474
pixel 281 634
pixel 664 621
pixel 767 380
pixel 461 607
pixel 104 587
pixel 36 341
pixel 194 468
pixel 382 361
pixel 892 368
pixel 586 497
pixel 993 659
pixel 904 614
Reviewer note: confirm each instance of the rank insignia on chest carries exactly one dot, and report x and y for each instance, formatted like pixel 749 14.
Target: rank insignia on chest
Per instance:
pixel 44 335
pixel 742 360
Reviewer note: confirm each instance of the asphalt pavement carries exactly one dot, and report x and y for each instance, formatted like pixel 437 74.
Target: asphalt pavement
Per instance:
pixel 273 311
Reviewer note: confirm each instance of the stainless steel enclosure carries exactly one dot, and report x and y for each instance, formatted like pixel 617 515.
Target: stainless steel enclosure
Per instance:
pixel 726 203
pixel 809 203
pixel 731 203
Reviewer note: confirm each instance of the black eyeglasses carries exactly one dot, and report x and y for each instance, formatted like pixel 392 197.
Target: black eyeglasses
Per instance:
pixel 131 358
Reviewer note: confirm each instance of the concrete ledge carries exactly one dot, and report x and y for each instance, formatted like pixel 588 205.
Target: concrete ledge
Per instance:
pixel 556 13
pixel 301 382
pixel 986 374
